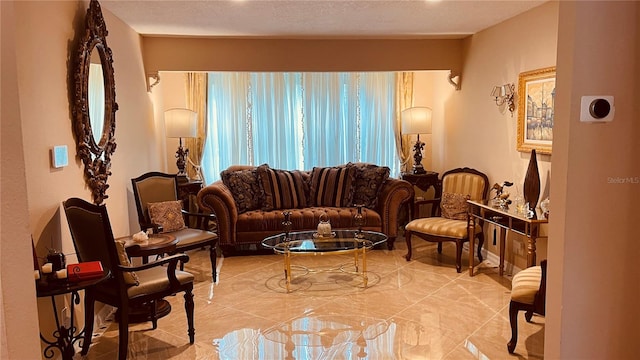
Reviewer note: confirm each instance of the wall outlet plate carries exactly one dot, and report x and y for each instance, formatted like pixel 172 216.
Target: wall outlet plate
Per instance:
pixel 59 156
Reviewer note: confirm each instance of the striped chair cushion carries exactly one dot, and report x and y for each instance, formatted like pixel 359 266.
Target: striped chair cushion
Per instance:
pixel 464 183
pixel 438 226
pixel 526 284
pixel 332 186
pixel 283 189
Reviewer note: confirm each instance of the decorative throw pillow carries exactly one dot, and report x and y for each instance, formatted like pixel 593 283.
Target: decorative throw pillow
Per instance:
pixel 454 206
pixel 130 277
pixel 168 214
pixel 245 188
pixel 282 189
pixel 332 186
pixel 368 182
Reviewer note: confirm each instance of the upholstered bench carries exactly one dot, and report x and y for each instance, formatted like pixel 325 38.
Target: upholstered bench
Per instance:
pixel 528 293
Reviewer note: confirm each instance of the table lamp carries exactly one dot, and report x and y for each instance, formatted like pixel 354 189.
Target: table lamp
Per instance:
pixel 181 123
pixel 417 120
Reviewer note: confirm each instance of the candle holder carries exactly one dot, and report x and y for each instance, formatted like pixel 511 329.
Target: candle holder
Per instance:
pixel 324 226
pixel 286 225
pixel 57 259
pixel 358 220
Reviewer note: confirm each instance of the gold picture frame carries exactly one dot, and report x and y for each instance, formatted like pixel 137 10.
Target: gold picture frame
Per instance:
pixel 536 97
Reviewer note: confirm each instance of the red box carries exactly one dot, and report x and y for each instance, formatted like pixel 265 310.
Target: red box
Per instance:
pixel 84 271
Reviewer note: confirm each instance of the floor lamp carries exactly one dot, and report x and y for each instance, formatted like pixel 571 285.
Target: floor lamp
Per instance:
pixel 417 120
pixel 181 123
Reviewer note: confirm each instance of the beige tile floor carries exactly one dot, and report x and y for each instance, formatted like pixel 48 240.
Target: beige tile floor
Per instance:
pixel 420 309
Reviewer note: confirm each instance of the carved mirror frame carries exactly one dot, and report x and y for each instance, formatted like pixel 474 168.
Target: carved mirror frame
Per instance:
pixel 96 156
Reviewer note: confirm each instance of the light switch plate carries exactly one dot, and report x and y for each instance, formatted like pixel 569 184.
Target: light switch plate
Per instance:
pixel 59 156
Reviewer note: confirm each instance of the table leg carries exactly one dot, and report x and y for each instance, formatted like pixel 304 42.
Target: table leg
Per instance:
pixel 531 246
pixel 365 279
pixel 287 269
pixel 503 236
pixel 65 337
pixel 472 243
pixel 355 260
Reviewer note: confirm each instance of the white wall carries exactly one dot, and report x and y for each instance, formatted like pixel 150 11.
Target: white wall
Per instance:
pixel 18 318
pixel 469 129
pixel 172 90
pixel 43 42
pixel 592 310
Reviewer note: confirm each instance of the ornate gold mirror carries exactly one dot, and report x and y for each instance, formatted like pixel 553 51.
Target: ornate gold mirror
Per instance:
pixel 94 106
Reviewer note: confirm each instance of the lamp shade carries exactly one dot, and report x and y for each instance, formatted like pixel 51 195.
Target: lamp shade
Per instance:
pixel 181 123
pixel 416 120
pixel 502 91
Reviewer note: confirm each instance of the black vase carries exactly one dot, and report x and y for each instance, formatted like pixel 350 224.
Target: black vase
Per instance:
pixel 532 182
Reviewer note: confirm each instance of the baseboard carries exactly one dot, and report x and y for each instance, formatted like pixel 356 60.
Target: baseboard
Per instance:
pixel 491 258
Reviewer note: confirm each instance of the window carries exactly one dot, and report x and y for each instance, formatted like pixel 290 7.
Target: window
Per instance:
pixel 299 120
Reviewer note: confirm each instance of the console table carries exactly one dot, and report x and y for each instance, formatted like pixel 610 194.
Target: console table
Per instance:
pixel 507 218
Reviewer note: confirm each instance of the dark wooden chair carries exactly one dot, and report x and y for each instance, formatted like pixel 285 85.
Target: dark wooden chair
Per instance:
pixel 155 187
pixel 528 293
pixel 93 241
pixel 463 181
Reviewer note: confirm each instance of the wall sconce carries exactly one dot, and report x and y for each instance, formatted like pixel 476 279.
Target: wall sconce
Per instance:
pixel 181 123
pixel 417 120
pixel 505 94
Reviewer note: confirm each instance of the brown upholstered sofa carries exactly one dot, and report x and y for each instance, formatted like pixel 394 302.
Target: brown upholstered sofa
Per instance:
pixel 249 201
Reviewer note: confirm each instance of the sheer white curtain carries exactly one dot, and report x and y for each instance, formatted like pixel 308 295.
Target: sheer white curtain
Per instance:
pixel 275 115
pixel 299 120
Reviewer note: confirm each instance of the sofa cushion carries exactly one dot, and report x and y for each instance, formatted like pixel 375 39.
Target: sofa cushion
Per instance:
pixel 454 206
pixel 244 187
pixel 256 225
pixel 167 214
pixel 282 189
pixel 439 226
pixel 368 182
pixel 332 186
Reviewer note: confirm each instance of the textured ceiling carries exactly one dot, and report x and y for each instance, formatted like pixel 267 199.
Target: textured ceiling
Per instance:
pixel 315 18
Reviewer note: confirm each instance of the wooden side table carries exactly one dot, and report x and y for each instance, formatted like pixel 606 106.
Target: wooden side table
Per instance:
pixel 157 244
pixel 65 338
pixel 423 182
pixel 186 189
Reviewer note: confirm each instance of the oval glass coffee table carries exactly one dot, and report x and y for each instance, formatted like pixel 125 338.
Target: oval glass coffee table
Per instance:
pixel 341 242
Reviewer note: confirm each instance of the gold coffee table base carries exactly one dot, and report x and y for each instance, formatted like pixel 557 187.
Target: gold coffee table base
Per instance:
pixel 350 242
pixel 288 275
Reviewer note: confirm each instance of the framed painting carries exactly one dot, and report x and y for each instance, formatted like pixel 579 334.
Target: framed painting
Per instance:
pixel 536 97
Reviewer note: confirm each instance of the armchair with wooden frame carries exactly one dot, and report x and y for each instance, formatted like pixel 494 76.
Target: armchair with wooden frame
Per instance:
pixel 157 187
pixel 458 184
pixel 129 286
